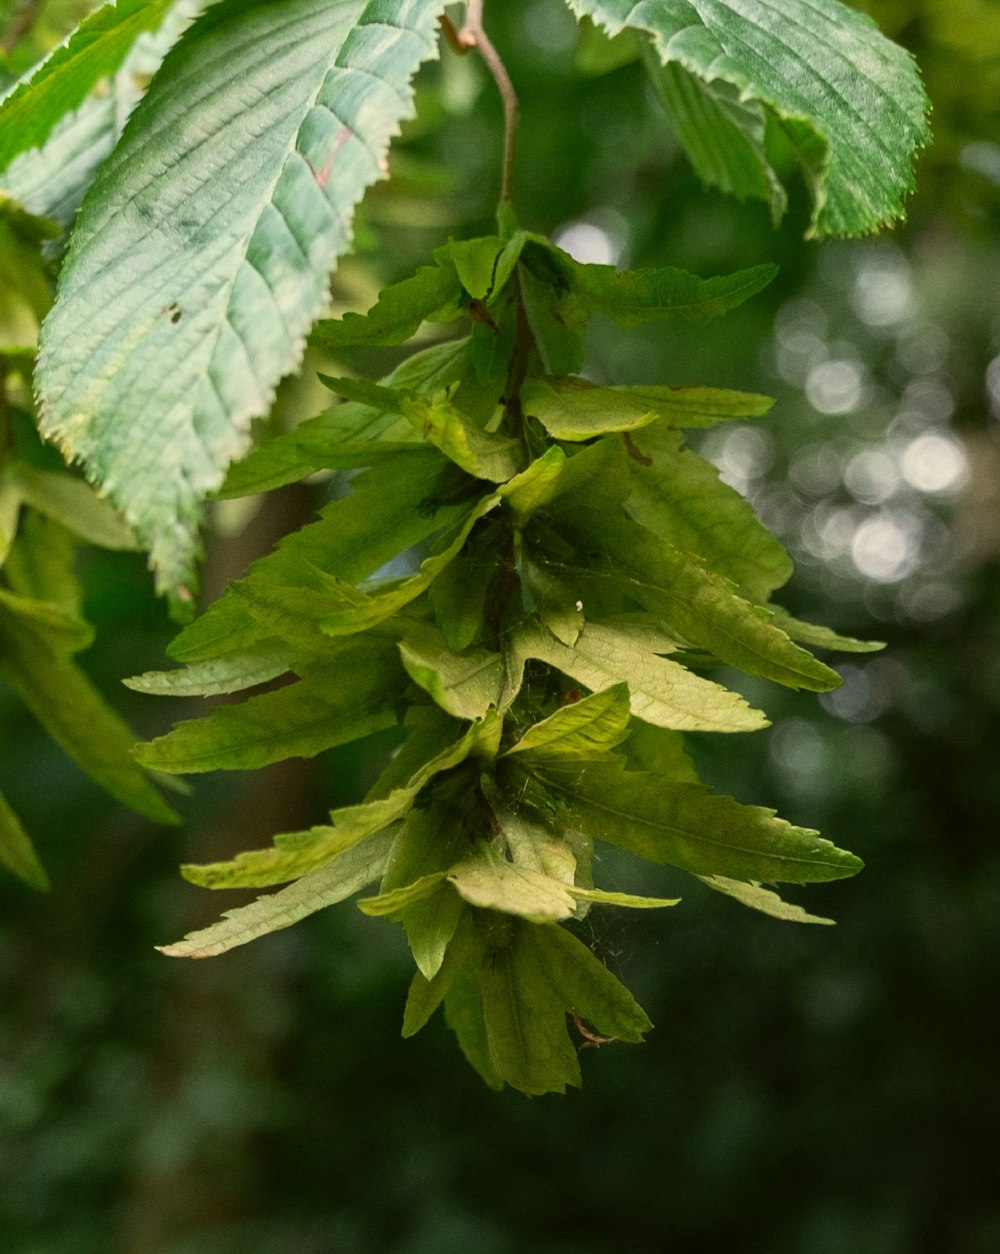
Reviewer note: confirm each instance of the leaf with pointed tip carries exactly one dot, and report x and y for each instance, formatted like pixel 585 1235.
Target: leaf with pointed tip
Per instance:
pixel 398 313
pixel 479 453
pixel 489 881
pixel 60 82
pixel 351 612
pixel 75 715
pixel 763 899
pixel 660 691
pixel 678 495
pixel 465 684
pixel 722 134
pixel 698 604
pixel 820 637
pixel 390 508
pixel 192 309
pixel 333 703
pixel 585 729
pixel 350 435
pixel 529 1046
pixel 585 985
pixel 218 677
pixel 428 991
pixel 571 408
pixel 599 897
pixel 17 853
pixel 686 826
pixel 297 853
pixel 52 178
pixel 476 262
pixel 464 1014
pixel 353 870
pixel 848 99
pixel 398 899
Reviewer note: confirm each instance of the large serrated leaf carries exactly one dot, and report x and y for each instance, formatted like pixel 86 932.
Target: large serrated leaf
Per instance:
pixel 202 251
pixel 850 101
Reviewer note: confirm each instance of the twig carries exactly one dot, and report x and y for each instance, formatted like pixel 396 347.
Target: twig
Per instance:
pixel 472 35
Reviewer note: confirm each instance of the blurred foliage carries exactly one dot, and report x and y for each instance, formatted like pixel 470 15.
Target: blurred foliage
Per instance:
pixel 807 1091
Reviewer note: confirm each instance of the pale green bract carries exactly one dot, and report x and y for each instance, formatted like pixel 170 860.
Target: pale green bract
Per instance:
pixel 848 100
pixel 201 255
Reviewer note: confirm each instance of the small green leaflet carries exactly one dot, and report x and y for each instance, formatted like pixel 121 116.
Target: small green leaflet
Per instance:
pixel 570 408
pixel 832 82
pixel 74 505
pixel 217 677
pixel 339 879
pixel 585 729
pixel 399 312
pixel 196 304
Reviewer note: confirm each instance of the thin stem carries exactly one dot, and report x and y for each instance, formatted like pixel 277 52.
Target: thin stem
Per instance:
pixel 472 35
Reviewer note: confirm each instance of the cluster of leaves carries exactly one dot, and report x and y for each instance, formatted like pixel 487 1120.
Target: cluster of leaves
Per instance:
pixel 517 537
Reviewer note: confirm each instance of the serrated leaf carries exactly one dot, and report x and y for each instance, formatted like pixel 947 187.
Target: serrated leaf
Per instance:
pixel 353 870
pixel 397 314
pixel 849 100
pixel 428 991
pixel 479 453
pixel 60 82
pixel 51 179
pixel 476 263
pixel 679 496
pixel 75 715
pixel 584 729
pixel 463 1012
pixel 571 408
pixel 489 881
pixel 633 297
pixel 296 853
pixel 390 508
pixel 74 505
pixel 197 303
pixel 332 704
pixel 529 1046
pixel 17 853
pixel 397 899
pixel 686 826
pixel 661 691
pixel 701 606
pixel 585 985
pixel 218 677
pixel 722 134
pixel 532 846
pixel 465 685
pixel 757 897
pixel 350 613
pixel 820 637
pixel 599 897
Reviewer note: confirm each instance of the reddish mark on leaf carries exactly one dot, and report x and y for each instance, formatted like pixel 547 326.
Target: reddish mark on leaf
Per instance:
pixel 322 176
pixel 635 452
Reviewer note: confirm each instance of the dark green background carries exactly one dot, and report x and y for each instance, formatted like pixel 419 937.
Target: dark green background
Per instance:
pixel 807 1090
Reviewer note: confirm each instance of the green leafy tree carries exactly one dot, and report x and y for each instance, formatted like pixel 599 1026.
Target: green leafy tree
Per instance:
pixel 525 591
